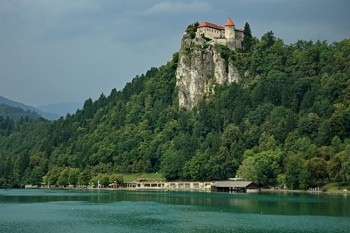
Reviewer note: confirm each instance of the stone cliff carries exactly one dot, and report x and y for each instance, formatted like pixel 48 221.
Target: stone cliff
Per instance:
pixel 202 65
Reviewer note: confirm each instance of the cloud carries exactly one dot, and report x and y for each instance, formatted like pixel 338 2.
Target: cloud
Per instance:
pixel 178 7
pixel 69 50
pixel 43 19
pixel 31 10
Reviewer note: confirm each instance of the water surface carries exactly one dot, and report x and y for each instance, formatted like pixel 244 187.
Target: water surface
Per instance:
pixel 162 211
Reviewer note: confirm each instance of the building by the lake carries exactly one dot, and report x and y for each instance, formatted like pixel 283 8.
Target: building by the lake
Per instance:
pixel 232 186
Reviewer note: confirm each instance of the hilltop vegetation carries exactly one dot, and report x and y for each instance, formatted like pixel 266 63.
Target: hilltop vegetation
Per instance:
pixel 287 122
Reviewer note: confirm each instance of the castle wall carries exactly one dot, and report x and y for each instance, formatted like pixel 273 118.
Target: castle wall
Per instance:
pixel 239 39
pixel 221 41
pixel 209 32
pixel 231 44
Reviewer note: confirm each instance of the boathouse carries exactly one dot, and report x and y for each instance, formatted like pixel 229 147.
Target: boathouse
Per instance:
pixel 235 187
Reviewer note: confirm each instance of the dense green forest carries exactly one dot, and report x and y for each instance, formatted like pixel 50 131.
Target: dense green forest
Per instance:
pixel 287 122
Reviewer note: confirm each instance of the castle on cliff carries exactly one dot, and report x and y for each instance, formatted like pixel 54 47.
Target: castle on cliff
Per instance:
pixel 226 35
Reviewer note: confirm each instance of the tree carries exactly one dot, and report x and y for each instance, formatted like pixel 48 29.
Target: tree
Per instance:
pixel 232 139
pixel 35 176
pixel 84 177
pixel 262 167
pixel 268 166
pixel 267 142
pixel 305 178
pixel 308 125
pixel 63 178
pixel 19 167
pixel 104 180
pixel 172 164
pixel 293 169
pixel 345 166
pixel 73 176
pixel 191 29
pixel 53 175
pixel 116 178
pixel 247 38
pixel 269 38
pixel 319 171
pixel 247 170
pixel 195 169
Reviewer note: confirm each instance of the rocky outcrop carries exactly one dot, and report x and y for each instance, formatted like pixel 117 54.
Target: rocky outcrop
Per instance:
pixel 201 66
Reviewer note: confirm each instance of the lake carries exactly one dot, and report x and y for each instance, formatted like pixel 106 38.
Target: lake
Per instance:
pixel 163 211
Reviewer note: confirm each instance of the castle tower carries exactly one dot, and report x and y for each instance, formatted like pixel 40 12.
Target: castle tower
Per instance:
pixel 230 34
pixel 230 29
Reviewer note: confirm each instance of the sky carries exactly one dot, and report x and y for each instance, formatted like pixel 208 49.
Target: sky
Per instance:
pixel 66 51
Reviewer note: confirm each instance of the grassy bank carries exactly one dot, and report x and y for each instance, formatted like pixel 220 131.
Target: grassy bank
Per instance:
pixel 147 176
pixel 333 187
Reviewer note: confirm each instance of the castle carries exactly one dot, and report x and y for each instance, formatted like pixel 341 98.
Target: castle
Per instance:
pixel 227 35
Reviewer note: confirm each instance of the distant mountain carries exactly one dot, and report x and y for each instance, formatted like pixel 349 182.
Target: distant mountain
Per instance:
pixel 49 116
pixel 61 109
pixel 17 113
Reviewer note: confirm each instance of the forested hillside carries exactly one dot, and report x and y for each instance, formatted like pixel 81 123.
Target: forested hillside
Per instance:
pixel 287 122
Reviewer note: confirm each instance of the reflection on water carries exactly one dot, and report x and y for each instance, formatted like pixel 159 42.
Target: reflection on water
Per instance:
pixel 161 211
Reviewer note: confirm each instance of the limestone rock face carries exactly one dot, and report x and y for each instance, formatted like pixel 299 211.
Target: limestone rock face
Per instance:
pixel 200 68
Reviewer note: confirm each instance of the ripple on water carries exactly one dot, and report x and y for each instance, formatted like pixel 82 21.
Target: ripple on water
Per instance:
pixel 162 215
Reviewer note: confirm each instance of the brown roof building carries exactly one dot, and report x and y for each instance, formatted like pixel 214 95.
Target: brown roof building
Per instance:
pixel 226 35
pixel 235 186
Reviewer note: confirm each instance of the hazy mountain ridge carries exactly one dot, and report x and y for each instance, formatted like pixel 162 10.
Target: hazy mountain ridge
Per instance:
pixel 17 113
pixel 61 109
pixel 46 115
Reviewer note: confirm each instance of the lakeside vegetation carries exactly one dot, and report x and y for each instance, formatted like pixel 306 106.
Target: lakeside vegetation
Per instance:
pixel 286 123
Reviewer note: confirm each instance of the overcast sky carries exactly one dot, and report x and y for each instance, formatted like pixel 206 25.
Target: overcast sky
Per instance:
pixel 59 51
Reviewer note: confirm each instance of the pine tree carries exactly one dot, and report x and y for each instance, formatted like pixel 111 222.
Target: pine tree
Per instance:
pixel 248 38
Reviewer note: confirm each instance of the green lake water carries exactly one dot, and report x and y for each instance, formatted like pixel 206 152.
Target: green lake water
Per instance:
pixel 163 211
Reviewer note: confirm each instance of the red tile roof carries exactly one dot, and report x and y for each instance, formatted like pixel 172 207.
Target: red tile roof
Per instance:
pixel 210 25
pixel 229 22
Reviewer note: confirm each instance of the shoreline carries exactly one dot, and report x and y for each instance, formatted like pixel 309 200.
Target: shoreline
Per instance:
pixel 262 190
pixel 340 192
